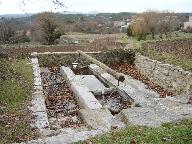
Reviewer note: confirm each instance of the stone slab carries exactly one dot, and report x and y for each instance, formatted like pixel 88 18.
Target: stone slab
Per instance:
pixel 85 98
pixel 83 95
pixel 100 119
pixel 68 135
pixel 135 90
pixel 38 101
pixel 41 120
pixel 92 82
pixel 143 117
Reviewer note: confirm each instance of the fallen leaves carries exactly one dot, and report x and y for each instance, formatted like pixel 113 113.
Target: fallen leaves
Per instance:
pixel 133 72
pixel 60 101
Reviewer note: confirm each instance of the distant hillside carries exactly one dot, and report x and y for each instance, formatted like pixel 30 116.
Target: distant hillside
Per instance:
pixel 15 15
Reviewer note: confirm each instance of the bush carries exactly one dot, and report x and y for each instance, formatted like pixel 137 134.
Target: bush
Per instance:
pixel 129 30
pixel 188 29
pixel 141 36
pixel 19 38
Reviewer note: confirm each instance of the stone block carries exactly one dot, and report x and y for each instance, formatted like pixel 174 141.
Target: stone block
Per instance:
pixel 92 82
pixel 41 120
pixel 83 95
pixel 100 119
pixel 85 98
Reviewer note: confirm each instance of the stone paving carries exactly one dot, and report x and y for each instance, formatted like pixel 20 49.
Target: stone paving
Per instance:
pixel 149 109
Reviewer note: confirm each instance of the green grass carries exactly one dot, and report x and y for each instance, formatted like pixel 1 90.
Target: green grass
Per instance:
pixel 12 94
pixel 16 86
pixel 171 59
pixel 15 92
pixel 169 133
pixel 23 68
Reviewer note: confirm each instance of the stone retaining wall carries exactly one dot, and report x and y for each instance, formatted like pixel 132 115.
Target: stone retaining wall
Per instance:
pixel 170 77
pixel 109 57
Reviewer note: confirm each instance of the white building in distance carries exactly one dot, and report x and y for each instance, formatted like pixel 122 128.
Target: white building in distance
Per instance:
pixel 189 23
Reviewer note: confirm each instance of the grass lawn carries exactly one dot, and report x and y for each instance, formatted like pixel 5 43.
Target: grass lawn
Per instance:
pixel 15 89
pixel 169 133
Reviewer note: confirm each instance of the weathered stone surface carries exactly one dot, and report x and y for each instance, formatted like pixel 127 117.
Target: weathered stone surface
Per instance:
pixel 92 82
pixel 161 111
pixel 83 95
pixel 38 102
pixel 41 120
pixel 152 110
pixel 67 135
pixel 141 116
pixel 135 90
pixel 170 77
pixel 100 119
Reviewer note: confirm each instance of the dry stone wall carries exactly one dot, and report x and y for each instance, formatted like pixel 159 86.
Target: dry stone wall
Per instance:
pixel 109 57
pixel 170 77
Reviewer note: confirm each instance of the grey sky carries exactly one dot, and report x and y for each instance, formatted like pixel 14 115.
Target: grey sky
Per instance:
pixel 34 6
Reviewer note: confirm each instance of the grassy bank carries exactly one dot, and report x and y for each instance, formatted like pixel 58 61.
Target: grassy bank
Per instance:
pixel 169 58
pixel 170 133
pixel 15 89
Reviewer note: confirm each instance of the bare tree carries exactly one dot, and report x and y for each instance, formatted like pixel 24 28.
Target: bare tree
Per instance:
pixel 7 30
pixel 168 22
pixel 152 22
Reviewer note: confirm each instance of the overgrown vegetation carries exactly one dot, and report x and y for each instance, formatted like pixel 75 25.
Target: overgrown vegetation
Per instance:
pixel 15 89
pixel 170 133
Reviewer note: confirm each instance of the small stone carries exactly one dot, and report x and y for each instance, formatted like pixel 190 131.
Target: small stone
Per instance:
pixel 74 119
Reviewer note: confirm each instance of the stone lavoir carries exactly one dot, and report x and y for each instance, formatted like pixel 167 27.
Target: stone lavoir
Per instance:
pixel 70 109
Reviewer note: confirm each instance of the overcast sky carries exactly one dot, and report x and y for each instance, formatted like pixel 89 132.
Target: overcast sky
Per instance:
pixel 34 6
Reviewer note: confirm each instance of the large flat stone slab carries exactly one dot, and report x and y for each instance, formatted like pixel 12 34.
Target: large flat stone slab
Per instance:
pixel 146 117
pixel 174 105
pixel 92 82
pixel 67 136
pixel 83 95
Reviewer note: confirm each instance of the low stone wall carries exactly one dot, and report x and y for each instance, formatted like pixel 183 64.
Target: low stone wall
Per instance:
pixel 108 57
pixel 170 77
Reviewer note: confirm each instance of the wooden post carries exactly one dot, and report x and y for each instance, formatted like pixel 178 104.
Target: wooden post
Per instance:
pixel 118 76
